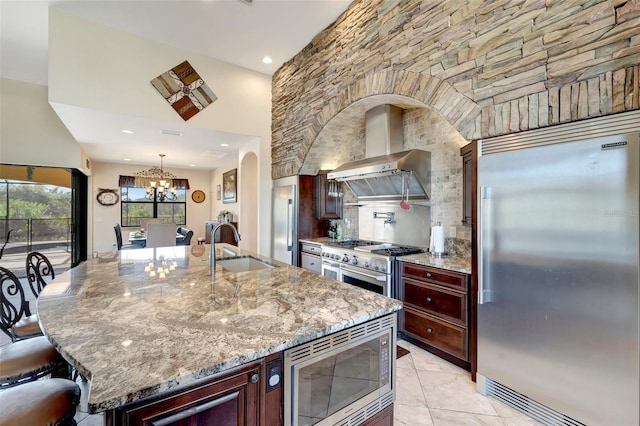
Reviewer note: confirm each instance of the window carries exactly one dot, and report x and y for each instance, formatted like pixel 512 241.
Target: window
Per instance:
pixel 137 205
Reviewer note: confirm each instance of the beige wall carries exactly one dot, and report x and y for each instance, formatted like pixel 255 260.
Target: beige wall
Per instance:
pixel 92 66
pixel 103 218
pixel 30 131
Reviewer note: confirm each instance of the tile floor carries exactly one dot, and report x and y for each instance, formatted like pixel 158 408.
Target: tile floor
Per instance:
pixel 430 391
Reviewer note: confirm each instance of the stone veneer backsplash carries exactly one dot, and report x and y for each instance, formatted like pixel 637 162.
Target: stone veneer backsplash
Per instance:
pixel 344 141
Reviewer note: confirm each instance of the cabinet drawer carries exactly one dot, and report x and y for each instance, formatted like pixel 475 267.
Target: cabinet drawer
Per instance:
pixel 311 248
pixel 311 262
pixel 435 275
pixel 440 301
pixel 440 334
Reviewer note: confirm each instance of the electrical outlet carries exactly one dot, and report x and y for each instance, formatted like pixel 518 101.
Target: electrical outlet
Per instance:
pixel 452 232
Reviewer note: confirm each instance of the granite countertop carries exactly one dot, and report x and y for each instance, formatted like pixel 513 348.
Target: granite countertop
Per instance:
pixel 451 263
pixel 318 240
pixel 134 333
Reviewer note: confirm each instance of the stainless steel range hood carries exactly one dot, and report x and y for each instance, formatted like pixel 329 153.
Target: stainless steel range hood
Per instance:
pixel 383 175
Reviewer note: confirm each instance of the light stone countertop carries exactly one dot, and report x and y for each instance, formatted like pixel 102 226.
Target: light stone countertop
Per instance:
pixel 318 240
pixel 451 263
pixel 133 335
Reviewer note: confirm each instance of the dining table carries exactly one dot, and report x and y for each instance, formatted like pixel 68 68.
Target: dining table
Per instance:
pixel 139 238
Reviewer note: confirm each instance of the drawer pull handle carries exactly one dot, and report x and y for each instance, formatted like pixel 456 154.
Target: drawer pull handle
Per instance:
pixel 428 299
pixel 312 263
pixel 429 330
pixel 428 274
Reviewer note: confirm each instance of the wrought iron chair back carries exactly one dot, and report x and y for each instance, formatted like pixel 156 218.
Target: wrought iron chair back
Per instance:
pixel 13 302
pixel 38 267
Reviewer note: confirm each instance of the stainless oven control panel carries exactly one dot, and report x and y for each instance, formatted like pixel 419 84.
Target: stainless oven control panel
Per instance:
pixel 357 258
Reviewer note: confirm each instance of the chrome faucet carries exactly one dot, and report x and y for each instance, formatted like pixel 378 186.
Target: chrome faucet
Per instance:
pixel 212 254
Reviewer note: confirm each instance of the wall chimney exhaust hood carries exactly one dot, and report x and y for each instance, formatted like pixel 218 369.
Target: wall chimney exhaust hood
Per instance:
pixel 382 176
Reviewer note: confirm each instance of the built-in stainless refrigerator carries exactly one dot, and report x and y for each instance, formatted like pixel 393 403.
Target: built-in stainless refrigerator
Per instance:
pixel 558 294
pixel 293 217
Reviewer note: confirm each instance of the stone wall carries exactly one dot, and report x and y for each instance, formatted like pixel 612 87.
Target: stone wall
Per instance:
pixel 486 67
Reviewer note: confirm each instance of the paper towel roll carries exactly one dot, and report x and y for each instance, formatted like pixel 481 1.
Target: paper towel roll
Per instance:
pixel 437 236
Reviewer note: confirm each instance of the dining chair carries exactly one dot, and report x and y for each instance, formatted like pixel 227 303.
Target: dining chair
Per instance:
pixel 144 223
pixel 16 320
pixel 187 234
pixel 43 402
pixel 38 268
pixel 119 243
pixel 161 235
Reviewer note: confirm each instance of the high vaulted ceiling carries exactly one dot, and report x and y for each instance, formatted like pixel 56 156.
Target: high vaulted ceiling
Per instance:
pixel 229 30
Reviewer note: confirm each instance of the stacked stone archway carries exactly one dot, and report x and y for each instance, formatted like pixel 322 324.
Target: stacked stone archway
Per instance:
pixel 390 86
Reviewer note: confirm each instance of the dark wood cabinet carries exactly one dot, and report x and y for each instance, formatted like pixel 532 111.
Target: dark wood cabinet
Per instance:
pixel 223 235
pixel 328 205
pixel 236 397
pixel 309 226
pixel 436 311
pixel 383 418
pixel 469 155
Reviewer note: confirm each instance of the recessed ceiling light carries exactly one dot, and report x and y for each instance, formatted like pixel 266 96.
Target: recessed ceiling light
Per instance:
pixel 224 144
pixel 128 132
pixel 127 159
pixel 192 165
pixel 171 132
pixel 267 60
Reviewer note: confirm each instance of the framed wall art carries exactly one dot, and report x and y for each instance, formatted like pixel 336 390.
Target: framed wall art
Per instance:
pixel 184 89
pixel 230 186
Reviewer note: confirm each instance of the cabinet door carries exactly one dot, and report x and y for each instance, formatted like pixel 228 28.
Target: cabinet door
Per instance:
pixel 328 206
pixel 469 177
pixel 440 334
pixel 231 399
pixel 311 262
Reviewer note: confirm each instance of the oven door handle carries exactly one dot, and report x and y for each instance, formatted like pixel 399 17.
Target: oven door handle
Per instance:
pixel 375 277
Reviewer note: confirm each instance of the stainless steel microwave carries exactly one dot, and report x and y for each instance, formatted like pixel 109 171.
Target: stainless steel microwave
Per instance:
pixel 343 378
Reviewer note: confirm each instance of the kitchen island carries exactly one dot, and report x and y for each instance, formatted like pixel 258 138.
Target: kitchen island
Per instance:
pixel 142 322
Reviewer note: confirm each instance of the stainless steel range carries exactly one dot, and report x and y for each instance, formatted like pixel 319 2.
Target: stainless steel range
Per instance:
pixel 366 264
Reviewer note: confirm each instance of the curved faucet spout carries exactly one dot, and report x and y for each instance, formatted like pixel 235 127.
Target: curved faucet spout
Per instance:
pixel 212 254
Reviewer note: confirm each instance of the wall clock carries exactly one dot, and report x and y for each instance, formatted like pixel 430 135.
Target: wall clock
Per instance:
pixel 107 197
pixel 198 196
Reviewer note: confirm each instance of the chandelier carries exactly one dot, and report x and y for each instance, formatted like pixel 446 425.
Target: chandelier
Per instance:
pixel 157 183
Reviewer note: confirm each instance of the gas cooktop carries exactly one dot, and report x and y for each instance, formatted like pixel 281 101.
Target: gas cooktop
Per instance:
pixel 376 247
pixel 352 243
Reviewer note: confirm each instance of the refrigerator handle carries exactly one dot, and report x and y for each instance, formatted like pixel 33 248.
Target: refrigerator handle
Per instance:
pixel 290 224
pixel 484 191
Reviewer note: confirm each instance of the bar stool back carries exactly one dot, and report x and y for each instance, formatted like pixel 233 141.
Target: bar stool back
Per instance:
pixel 16 320
pixel 38 268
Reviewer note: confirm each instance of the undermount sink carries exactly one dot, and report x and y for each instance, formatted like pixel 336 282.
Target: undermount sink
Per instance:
pixel 243 263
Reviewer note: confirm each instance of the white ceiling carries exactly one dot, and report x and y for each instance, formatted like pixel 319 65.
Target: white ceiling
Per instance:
pixel 228 30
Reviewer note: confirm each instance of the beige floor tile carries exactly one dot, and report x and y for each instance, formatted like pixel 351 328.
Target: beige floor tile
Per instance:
pixel 454 392
pixel 408 389
pixel 427 361
pixel 456 418
pixel 407 415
